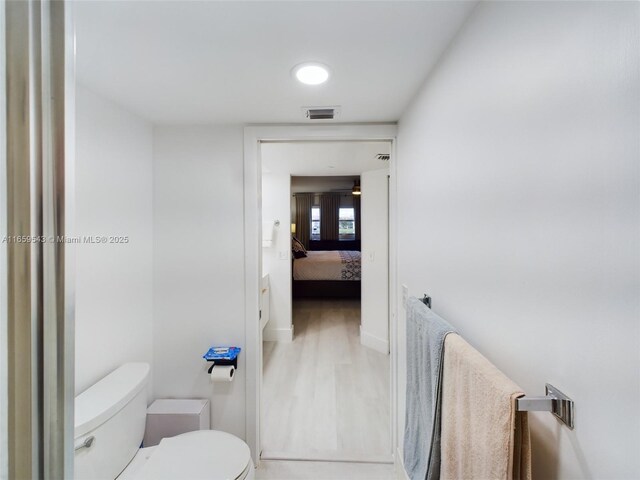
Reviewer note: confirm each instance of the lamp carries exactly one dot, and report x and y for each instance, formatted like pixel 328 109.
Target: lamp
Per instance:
pixel 293 228
pixel 356 188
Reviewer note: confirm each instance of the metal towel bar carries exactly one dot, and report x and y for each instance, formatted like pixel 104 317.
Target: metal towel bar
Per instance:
pixel 554 401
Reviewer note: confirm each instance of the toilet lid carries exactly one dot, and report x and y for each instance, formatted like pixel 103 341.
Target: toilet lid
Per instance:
pixel 203 454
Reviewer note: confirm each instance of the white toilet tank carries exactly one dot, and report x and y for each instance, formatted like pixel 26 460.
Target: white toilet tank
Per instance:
pixel 113 412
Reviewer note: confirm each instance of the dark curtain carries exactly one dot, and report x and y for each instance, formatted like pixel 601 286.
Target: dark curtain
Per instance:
pixel 303 217
pixel 329 216
pixel 356 214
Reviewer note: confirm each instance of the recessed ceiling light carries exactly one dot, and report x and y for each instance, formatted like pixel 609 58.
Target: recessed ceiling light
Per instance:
pixel 311 73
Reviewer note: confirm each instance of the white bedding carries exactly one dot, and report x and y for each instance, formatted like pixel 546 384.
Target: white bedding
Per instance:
pixel 331 265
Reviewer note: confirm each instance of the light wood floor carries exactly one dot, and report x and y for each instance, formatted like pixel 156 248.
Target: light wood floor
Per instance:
pixel 325 396
pixel 287 470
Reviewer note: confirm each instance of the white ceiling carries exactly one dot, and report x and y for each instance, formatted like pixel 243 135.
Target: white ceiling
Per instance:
pixel 230 61
pixel 322 158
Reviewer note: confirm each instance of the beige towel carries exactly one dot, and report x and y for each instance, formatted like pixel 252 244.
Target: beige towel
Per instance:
pixel 483 437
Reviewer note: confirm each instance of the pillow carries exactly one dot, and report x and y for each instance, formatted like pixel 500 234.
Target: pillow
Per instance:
pixel 297 248
pixel 300 245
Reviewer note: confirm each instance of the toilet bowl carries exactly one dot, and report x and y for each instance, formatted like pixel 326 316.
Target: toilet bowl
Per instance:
pixel 203 454
pixel 109 427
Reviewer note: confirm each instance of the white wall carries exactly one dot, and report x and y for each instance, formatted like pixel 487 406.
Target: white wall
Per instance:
pixel 113 197
pixel 199 265
pixel 518 201
pixel 374 330
pixel 276 258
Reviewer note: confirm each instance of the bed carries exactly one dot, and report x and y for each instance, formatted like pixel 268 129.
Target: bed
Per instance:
pixel 334 273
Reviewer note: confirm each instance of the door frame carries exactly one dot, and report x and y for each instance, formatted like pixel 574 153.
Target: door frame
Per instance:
pixel 253 136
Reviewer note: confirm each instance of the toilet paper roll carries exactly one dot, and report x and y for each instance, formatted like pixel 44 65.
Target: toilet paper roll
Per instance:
pixel 222 373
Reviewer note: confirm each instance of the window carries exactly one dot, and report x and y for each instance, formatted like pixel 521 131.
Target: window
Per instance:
pixel 347 224
pixel 315 223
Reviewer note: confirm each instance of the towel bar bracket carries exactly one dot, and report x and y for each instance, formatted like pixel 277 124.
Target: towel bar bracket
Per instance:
pixel 426 300
pixel 536 404
pixel 554 401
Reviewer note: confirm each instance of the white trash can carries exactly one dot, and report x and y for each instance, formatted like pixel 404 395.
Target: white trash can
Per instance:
pixel 168 417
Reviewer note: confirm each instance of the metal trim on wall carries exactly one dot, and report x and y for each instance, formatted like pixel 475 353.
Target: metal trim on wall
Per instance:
pixel 4 437
pixel 22 388
pixel 40 345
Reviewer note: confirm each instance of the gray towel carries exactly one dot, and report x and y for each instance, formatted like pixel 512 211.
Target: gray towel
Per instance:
pixel 426 332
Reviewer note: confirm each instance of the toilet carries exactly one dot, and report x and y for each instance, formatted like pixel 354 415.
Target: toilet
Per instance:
pixel 110 421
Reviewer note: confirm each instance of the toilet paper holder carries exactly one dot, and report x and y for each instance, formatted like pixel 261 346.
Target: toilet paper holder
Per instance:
pixel 222 356
pixel 222 362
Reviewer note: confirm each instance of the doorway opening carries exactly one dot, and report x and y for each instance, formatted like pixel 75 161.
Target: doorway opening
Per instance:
pixel 326 370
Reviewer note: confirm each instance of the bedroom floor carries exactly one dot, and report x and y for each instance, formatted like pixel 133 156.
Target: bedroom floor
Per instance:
pixel 325 396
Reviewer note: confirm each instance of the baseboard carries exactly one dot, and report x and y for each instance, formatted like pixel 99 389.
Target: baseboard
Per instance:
pixel 401 473
pixel 376 343
pixel 278 334
pixel 328 456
